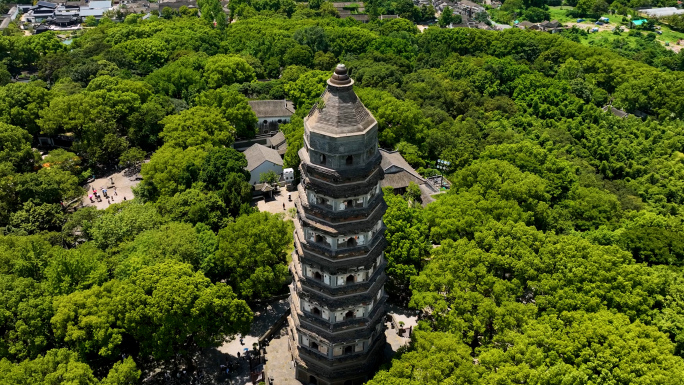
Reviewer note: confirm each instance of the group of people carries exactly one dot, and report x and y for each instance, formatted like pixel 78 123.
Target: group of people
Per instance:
pixel 110 198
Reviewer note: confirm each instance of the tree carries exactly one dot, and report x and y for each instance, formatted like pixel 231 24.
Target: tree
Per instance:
pixel 132 157
pixel 585 7
pixel 324 61
pixel 91 322
pixel 181 311
pixel 299 55
pixel 35 218
pixel 90 21
pixel 219 164
pixel 79 225
pixel 407 242
pixel 654 245
pixel 314 37
pixel 224 70
pixel 5 76
pixel 182 78
pixel 536 15
pixel 188 12
pixel 174 241
pixel 24 256
pixel 212 11
pixel 601 334
pixel 600 7
pixel 236 193
pixel 170 170
pixel 168 13
pixel 446 18
pixel 26 310
pixel 590 208
pixel 20 103
pixel 234 107
pixel 252 255
pixel 122 373
pixel 145 124
pixel 532 158
pixel 122 222
pixel 75 269
pixel 482 17
pixel 140 55
pixel 95 119
pixel 15 147
pixel 269 177
pixel 411 153
pixel 512 5
pixel 194 206
pixel 412 193
pixel 307 88
pixel 64 160
pixel 55 366
pixel 48 185
pixel 434 358
pixel 198 126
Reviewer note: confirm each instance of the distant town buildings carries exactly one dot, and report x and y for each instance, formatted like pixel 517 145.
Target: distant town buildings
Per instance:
pixel 7 18
pixel 553 26
pixel 65 14
pixel 176 4
pixel 466 8
pixel 661 12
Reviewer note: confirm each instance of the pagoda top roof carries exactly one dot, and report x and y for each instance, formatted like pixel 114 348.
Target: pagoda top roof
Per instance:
pixel 339 112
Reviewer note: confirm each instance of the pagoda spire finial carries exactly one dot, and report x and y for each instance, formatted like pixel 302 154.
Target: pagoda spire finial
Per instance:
pixel 340 77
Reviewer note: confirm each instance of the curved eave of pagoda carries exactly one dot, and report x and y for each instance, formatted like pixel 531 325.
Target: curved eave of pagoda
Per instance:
pixel 353 174
pixel 314 284
pixel 347 252
pixel 361 328
pixel 342 366
pixel 340 301
pixel 340 216
pixel 353 225
pixel 344 190
pixel 341 265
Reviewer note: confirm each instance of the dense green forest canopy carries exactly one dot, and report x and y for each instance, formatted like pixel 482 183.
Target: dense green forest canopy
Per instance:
pixel 555 257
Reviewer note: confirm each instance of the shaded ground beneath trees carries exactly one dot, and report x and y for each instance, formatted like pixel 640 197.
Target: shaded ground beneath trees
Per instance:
pixel 213 362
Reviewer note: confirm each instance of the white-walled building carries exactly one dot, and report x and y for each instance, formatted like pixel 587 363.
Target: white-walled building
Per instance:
pixel 260 160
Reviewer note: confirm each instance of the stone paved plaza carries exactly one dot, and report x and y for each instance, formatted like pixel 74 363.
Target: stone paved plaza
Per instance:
pixel 274 205
pixel 123 186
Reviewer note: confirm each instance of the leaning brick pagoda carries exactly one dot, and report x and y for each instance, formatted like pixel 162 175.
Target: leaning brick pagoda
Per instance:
pixel 337 298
